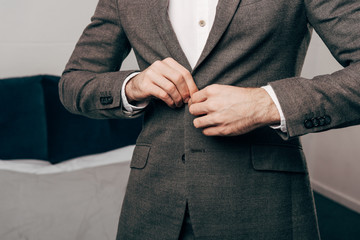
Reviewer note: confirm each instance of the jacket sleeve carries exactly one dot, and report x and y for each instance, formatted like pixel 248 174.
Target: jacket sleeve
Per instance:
pixel 326 101
pixel 91 82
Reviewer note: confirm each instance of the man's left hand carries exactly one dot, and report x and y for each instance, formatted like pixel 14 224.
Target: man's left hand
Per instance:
pixel 229 111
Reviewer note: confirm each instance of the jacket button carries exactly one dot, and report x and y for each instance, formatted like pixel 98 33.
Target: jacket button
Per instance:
pixel 308 123
pixel 106 100
pixel 327 119
pixel 316 122
pixel 183 158
pixel 322 121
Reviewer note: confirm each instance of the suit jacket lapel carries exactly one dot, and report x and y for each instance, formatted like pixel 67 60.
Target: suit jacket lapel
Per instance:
pixel 224 13
pixel 161 19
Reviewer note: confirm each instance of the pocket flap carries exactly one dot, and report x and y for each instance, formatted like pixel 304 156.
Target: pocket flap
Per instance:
pixel 278 158
pixel 140 156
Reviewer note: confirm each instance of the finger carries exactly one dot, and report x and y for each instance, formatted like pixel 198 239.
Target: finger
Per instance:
pixel 198 108
pixel 216 131
pixel 159 93
pixel 205 121
pixel 190 102
pixel 179 82
pixel 172 75
pixel 224 131
pixel 189 80
pixel 211 131
pixel 198 97
pixel 155 78
pixel 170 89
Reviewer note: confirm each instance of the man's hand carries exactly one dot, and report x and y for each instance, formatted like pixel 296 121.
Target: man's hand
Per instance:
pixel 166 80
pixel 230 111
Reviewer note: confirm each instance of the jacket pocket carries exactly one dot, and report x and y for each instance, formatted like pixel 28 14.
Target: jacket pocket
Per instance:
pixel 140 156
pixel 278 158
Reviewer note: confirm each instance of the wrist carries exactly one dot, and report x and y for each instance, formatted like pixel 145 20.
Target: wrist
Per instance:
pixel 270 114
pixel 129 90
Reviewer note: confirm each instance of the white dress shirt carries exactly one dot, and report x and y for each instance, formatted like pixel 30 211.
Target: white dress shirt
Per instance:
pixel 192 21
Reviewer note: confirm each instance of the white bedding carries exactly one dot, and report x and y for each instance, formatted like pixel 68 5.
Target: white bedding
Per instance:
pixel 42 167
pixel 78 199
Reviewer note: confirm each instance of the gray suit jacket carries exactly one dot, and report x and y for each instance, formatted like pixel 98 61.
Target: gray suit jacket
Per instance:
pixel 253 186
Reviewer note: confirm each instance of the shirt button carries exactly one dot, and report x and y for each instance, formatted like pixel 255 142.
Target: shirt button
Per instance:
pixel 202 23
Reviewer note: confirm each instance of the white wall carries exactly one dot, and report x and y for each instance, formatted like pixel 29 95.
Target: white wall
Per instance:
pixel 333 156
pixel 38 36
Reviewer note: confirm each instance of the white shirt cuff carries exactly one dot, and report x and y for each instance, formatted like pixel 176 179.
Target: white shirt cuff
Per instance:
pixel 273 96
pixel 129 108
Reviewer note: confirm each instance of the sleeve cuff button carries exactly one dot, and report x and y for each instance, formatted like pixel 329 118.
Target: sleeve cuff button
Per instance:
pixel 327 119
pixel 316 122
pixel 308 124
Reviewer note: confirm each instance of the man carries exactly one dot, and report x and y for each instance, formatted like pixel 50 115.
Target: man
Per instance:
pixel 219 155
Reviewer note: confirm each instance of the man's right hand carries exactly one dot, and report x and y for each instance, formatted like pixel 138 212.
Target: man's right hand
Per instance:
pixel 166 80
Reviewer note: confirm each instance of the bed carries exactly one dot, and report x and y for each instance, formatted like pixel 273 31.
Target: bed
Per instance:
pixel 62 176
